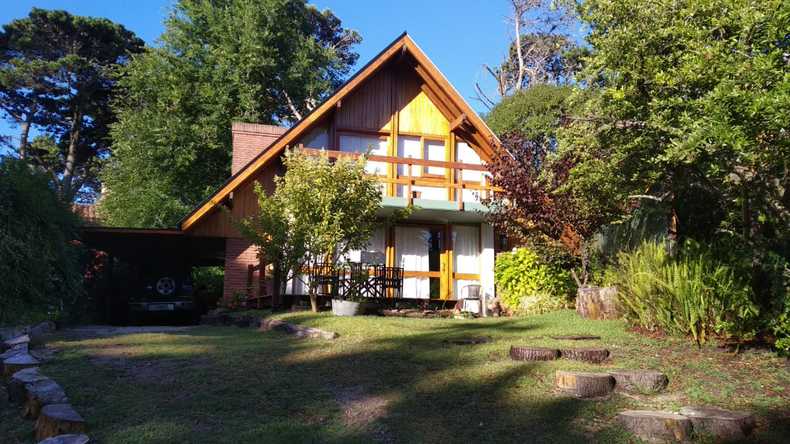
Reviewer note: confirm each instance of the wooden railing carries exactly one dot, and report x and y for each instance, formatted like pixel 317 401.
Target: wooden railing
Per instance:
pixel 452 181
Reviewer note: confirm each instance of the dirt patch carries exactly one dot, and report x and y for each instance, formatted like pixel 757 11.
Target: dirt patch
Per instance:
pixel 363 411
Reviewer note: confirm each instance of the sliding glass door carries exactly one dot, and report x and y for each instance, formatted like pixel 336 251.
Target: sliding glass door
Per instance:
pixel 420 250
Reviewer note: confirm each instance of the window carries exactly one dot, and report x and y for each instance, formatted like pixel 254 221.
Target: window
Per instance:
pixel 366 144
pixel 434 150
pixel 465 154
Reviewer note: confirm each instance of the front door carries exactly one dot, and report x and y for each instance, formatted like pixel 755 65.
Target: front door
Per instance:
pixel 421 251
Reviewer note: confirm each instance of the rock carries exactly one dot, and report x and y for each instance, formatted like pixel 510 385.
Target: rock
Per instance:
pixel 640 381
pixel 598 303
pixel 576 337
pixel 533 353
pixel 724 425
pixel 594 355
pixel 584 384
pixel 18 362
pixel 41 394
pixel 296 330
pixel 58 419
pixel 67 439
pixel 17 391
pixel 656 427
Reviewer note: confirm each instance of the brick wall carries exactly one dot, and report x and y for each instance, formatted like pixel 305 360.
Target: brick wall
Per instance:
pixel 250 139
pixel 238 255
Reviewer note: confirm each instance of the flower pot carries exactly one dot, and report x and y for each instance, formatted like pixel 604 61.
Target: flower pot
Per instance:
pixel 352 308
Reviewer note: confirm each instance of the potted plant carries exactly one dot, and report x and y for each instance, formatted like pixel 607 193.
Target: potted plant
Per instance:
pixel 353 302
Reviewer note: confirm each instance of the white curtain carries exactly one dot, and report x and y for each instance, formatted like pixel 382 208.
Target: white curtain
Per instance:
pixel 434 150
pixel 465 154
pixel 412 147
pixel 376 247
pixel 361 144
pixel 411 252
pixel 466 256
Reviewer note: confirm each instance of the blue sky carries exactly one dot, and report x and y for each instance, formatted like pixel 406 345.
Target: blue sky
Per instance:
pixel 459 36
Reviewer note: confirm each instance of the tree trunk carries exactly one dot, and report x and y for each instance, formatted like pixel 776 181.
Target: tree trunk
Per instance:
pixel 277 292
pixel 67 193
pixel 23 136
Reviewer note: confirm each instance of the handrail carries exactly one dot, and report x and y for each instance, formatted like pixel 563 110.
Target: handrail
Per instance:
pixel 399 160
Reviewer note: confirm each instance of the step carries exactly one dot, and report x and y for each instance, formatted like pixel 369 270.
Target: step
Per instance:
pixel 724 425
pixel 594 355
pixel 656 426
pixel 533 353
pixel 640 381
pixel 585 384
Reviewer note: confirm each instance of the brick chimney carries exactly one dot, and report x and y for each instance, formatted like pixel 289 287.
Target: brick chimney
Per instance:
pixel 249 140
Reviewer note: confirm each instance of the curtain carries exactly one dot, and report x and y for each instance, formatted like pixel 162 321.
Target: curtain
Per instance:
pixel 465 154
pixel 361 144
pixel 412 147
pixel 373 253
pixel 411 252
pixel 466 256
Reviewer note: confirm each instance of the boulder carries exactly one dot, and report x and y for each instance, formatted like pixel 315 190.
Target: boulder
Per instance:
pixel 594 355
pixel 584 384
pixel 18 362
pixel 40 394
pixel 598 303
pixel 656 427
pixel 533 353
pixel 67 439
pixel 58 419
pixel 723 425
pixel 17 390
pixel 640 381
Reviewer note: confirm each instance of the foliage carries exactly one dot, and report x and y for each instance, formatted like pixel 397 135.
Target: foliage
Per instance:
pixel 691 295
pixel 534 113
pixel 39 261
pixel 528 285
pixel 319 211
pixel 57 79
pixel 266 61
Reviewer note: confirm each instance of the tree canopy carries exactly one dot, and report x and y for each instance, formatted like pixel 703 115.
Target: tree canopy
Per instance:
pixel 266 61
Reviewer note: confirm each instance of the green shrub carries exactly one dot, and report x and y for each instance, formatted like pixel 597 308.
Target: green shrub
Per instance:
pixel 691 295
pixel 528 285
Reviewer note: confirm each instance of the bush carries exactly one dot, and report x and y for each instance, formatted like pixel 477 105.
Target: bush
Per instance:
pixel 39 262
pixel 691 295
pixel 529 285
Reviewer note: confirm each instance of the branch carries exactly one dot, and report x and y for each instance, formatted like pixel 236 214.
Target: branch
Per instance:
pixel 291 105
pixel 483 98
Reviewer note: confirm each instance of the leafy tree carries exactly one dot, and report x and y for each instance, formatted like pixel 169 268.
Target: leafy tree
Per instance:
pixel 535 112
pixel 267 61
pixel 319 211
pixel 56 76
pixel 38 260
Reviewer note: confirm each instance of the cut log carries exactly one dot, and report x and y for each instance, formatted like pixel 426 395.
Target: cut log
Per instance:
pixel 58 419
pixel 296 330
pixel 41 394
pixel 39 332
pixel 723 425
pixel 23 339
pixel 640 381
pixel 67 439
pixel 15 350
pixel 18 362
pixel 598 303
pixel 585 385
pixel 17 392
pixel 576 337
pixel 533 353
pixel 594 355
pixel 656 427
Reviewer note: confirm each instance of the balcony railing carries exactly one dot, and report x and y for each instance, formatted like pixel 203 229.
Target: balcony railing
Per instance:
pixel 408 179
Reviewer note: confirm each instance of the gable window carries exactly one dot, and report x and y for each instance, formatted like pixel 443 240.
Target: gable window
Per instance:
pixel 434 150
pixel 366 144
pixel 464 153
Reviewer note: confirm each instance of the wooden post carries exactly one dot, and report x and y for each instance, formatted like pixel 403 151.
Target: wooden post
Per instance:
pixel 250 276
pixel 408 187
pixel 460 191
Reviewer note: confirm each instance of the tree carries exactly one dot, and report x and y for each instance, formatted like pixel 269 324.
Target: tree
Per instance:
pixel 267 61
pixel 57 77
pixel 319 211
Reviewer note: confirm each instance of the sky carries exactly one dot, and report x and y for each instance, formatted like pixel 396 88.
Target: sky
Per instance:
pixel 459 36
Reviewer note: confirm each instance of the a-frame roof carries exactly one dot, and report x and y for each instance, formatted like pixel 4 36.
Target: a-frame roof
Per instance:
pixel 461 116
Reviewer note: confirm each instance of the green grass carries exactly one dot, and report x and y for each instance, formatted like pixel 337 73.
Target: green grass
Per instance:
pixel 386 379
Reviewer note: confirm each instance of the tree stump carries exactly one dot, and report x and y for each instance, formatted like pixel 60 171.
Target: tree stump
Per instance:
pixel 656 427
pixel 594 355
pixel 17 392
pixel 18 362
pixel 724 425
pixel 576 337
pixel 585 385
pixel 58 419
pixel 40 331
pixel 533 353
pixel 67 439
pixel 640 381
pixel 15 350
pixel 598 303
pixel 19 340
pixel 41 394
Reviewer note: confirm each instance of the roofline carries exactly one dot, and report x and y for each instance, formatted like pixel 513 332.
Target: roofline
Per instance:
pixel 128 230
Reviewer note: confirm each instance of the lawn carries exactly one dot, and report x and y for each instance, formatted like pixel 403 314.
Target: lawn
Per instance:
pixel 386 380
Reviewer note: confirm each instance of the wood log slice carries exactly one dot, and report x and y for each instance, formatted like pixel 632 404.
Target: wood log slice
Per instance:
pixel 17 392
pixel 23 339
pixel 473 340
pixel 41 394
pixel 598 303
pixel 58 419
pixel 656 427
pixel 723 425
pixel 576 337
pixel 594 355
pixel 640 381
pixel 584 384
pixel 67 439
pixel 533 353
pixel 15 350
pixel 18 362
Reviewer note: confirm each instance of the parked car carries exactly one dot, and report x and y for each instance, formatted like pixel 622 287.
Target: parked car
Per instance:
pixel 164 295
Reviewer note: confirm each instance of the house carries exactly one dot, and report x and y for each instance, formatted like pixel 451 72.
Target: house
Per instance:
pixel 426 146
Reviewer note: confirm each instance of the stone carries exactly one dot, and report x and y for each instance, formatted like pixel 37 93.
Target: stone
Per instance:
pixel 585 384
pixel 594 355
pixel 41 394
pixel 18 362
pixel 723 425
pixel 296 330
pixel 58 419
pixel 533 353
pixel 598 303
pixel 17 390
pixel 640 381
pixel 67 439
pixel 657 427
pixel 576 337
